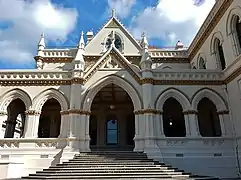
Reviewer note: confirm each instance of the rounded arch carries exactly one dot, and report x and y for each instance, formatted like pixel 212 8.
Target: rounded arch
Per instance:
pixel 214 40
pixel 42 97
pixel 230 23
pixel 172 93
pixel 11 95
pixel 211 95
pixel 94 89
pixel 201 61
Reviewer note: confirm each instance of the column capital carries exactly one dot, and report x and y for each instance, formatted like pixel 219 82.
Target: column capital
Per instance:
pixel 222 112
pixel 79 111
pixel 32 112
pixel 187 112
pixel 147 111
pixel 3 113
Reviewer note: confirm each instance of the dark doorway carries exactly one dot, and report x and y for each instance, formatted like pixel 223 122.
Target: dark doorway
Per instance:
pixel 50 119
pixel 112 123
pixel 173 119
pixel 208 120
pixel 14 125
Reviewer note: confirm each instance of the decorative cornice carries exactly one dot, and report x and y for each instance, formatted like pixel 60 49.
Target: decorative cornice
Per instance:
pixel 187 82
pixel 170 60
pixel 147 111
pixel 37 82
pixel 223 112
pixel 207 28
pixel 77 81
pixel 57 59
pixel 78 111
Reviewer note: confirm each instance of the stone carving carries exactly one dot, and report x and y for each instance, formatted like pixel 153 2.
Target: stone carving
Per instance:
pixel 111 63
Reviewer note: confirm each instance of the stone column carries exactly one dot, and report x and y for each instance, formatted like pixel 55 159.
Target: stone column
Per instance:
pixel 64 125
pixel 3 118
pixel 191 121
pixel 159 124
pixel 139 139
pixel 222 119
pixel 31 124
pixel 87 133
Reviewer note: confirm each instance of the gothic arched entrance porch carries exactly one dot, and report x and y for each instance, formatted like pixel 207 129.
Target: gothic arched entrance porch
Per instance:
pixel 112 122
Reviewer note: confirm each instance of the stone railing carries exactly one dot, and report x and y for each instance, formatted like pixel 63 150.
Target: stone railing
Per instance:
pixel 33 75
pixel 58 53
pixel 168 54
pixel 204 75
pixel 35 143
pixel 195 141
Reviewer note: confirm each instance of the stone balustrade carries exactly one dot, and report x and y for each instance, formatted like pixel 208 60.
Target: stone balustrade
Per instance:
pixel 33 75
pixel 197 141
pixel 204 75
pixel 168 53
pixel 57 53
pixel 38 142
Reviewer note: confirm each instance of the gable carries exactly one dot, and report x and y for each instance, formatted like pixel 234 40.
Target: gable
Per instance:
pixel 97 44
pixel 112 60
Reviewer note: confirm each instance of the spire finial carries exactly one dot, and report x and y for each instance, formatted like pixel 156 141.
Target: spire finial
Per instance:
pixel 82 41
pixel 144 42
pixel 41 44
pixel 113 12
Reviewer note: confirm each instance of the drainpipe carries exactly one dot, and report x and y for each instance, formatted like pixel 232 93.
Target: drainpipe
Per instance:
pixel 234 131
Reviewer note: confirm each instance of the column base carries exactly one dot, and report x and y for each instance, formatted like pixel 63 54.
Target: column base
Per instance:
pixel 139 143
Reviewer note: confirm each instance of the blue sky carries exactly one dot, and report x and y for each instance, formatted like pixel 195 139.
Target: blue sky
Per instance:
pixel 164 21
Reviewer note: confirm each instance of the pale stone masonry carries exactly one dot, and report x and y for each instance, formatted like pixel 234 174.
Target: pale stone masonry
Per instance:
pixel 181 106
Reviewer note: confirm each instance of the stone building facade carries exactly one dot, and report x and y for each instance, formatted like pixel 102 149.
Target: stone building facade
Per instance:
pixel 179 106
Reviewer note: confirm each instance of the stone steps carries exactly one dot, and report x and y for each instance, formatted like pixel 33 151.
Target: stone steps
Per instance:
pixel 112 165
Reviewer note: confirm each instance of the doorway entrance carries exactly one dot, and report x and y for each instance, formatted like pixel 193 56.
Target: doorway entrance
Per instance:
pixel 112 122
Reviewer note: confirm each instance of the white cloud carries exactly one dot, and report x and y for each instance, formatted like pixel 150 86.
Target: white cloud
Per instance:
pixel 122 7
pixel 27 20
pixel 172 20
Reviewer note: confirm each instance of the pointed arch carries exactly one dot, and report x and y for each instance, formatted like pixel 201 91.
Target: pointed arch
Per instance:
pixel 172 93
pixel 216 49
pixel 233 29
pixel 201 61
pixel 12 95
pixel 124 84
pixel 211 95
pixel 216 35
pixel 42 97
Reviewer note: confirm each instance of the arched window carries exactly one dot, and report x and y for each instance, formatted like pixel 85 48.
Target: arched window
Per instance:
pixel 208 120
pixel 219 53
pixel 173 119
pixel 118 43
pixel 238 31
pixel 202 64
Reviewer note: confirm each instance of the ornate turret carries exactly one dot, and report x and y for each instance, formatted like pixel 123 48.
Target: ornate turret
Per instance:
pixel 146 61
pixel 41 47
pixel 78 61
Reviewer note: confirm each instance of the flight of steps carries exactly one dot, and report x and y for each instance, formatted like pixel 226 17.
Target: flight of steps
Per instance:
pixel 112 165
